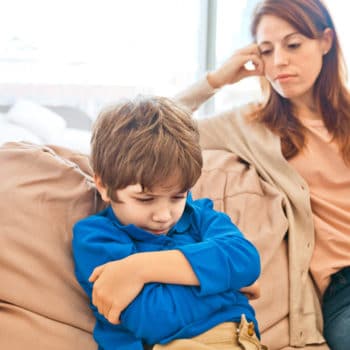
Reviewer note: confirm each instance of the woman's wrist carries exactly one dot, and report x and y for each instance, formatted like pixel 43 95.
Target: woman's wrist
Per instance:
pixel 213 81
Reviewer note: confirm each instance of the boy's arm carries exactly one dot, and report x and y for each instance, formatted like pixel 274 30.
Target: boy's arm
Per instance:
pixel 157 312
pixel 95 242
pixel 221 259
pixel 161 311
pixel 224 260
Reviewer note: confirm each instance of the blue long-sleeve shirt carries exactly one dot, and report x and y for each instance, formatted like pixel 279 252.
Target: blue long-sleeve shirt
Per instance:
pixel 222 259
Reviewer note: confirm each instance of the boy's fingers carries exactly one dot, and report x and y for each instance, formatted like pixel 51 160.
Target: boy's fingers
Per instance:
pixel 96 273
pixel 101 307
pixel 253 296
pixel 113 316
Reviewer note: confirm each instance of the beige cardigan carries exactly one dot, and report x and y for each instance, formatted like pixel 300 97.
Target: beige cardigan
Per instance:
pixel 261 148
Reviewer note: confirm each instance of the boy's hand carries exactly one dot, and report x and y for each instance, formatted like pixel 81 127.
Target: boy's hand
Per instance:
pixel 116 284
pixel 251 292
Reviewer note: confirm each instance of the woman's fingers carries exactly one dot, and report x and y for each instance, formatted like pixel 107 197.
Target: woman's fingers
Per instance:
pixel 256 65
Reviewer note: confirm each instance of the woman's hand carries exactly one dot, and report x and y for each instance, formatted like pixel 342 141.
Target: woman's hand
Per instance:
pixel 251 292
pixel 235 69
pixel 116 284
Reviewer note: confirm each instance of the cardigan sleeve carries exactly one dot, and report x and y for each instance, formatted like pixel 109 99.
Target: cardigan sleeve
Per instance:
pixel 194 96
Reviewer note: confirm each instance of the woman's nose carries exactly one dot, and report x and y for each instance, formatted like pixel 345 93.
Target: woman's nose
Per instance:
pixel 280 57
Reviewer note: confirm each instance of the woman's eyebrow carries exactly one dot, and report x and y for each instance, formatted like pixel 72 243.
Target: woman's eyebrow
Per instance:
pixel 286 37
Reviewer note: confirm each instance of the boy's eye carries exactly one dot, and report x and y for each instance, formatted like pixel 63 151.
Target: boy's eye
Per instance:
pixel 179 197
pixel 148 199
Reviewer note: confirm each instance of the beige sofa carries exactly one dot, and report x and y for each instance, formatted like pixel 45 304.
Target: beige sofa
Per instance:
pixel 44 190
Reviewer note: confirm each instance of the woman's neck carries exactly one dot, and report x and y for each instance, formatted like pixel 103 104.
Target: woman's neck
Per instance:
pixel 306 110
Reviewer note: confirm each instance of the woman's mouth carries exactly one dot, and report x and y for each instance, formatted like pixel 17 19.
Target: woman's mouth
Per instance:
pixel 281 78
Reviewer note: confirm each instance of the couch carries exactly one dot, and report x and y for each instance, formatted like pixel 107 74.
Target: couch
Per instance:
pixel 45 189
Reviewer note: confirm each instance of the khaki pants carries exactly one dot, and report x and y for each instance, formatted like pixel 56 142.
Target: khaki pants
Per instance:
pixel 225 336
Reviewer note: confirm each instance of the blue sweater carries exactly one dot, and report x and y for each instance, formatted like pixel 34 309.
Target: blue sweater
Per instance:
pixel 222 259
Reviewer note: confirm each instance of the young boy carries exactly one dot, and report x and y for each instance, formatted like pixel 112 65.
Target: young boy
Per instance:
pixel 158 266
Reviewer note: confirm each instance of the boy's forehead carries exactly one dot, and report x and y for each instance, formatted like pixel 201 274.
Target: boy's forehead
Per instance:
pixel 166 187
pixel 136 188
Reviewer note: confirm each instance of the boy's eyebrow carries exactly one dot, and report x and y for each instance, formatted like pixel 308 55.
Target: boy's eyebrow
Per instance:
pixel 138 194
pixel 153 194
pixel 283 39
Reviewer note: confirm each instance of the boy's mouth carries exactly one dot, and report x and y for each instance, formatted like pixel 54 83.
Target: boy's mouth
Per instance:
pixel 158 232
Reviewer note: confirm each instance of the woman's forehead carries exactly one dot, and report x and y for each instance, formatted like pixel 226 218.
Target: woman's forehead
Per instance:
pixel 272 28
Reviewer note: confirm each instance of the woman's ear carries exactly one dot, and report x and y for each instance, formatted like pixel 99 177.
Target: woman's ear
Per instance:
pixel 327 40
pixel 101 188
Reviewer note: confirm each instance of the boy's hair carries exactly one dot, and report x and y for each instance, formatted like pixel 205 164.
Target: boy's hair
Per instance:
pixel 145 141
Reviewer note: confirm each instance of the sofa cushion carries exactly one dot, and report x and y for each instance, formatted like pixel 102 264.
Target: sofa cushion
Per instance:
pixel 41 121
pixel 13 132
pixel 44 191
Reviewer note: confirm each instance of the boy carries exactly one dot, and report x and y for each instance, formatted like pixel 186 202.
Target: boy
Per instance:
pixel 159 267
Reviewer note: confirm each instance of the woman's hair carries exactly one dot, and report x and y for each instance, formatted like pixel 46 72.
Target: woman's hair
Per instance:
pixel 310 18
pixel 146 141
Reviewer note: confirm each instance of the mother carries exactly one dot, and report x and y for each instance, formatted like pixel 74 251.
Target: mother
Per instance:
pixel 298 139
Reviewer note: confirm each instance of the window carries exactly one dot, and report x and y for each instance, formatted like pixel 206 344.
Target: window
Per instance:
pixel 84 53
pixel 233 24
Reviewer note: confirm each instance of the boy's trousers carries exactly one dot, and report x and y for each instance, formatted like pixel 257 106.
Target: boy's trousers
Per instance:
pixel 225 336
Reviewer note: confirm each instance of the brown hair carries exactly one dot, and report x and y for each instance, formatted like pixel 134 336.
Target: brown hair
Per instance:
pixel 145 141
pixel 310 18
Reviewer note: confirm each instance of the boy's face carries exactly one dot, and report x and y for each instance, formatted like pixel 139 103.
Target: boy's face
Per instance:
pixel 155 211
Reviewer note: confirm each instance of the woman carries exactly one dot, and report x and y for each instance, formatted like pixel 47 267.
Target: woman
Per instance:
pixel 298 139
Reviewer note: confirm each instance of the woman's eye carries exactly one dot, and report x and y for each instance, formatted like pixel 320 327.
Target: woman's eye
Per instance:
pixel 294 45
pixel 265 52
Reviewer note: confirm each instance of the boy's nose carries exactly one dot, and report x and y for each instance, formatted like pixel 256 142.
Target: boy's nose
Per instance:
pixel 162 215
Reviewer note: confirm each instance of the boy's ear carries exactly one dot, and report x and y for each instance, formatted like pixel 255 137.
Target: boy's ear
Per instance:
pixel 101 188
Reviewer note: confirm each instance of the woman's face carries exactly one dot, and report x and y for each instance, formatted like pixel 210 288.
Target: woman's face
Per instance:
pixel 292 62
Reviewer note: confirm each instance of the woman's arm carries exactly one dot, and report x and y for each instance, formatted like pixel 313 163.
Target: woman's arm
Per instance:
pixel 232 71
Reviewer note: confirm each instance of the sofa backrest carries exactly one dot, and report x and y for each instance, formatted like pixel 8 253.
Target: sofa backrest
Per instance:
pixel 43 191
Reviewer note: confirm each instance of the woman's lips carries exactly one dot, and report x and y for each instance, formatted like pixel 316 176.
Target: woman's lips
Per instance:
pixel 284 77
